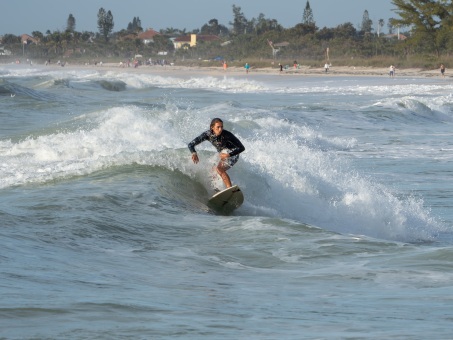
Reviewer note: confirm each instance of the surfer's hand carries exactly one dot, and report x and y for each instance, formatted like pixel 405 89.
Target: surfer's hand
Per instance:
pixel 224 156
pixel 195 158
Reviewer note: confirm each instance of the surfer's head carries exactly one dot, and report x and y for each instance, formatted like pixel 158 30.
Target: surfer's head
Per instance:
pixel 216 126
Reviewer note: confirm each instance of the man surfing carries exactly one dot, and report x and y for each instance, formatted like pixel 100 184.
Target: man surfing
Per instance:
pixel 221 139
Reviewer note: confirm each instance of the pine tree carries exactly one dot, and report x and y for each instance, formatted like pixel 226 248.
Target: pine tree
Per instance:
pixel 71 22
pixel 367 23
pixel 239 23
pixel 105 23
pixel 307 18
pixel 135 25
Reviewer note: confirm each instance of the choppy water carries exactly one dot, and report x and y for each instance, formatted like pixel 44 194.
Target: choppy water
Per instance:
pixel 345 233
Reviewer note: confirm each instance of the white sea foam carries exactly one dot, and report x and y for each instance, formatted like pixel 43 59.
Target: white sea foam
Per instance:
pixel 289 170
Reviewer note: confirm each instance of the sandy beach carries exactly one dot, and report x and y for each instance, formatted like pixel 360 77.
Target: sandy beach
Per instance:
pixel 302 70
pixel 237 71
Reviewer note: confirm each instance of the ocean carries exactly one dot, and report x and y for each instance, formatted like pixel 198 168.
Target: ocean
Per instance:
pixel 105 233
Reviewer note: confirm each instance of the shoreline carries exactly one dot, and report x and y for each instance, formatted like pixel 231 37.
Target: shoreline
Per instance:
pixel 240 71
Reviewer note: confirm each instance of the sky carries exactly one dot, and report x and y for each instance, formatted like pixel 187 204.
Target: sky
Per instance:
pixel 25 16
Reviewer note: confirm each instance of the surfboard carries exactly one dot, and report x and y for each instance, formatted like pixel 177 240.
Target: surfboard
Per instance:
pixel 227 200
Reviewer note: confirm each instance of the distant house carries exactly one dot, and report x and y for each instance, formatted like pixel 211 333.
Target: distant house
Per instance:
pixel 148 36
pixel 191 40
pixel 28 39
pixel 181 42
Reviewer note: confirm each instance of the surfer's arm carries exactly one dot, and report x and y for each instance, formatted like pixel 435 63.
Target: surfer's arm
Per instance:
pixel 238 147
pixel 201 138
pixel 196 141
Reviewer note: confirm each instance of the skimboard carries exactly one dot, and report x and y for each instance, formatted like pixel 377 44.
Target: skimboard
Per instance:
pixel 227 200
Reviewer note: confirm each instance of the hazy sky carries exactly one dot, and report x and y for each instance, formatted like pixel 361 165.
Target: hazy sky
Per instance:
pixel 25 16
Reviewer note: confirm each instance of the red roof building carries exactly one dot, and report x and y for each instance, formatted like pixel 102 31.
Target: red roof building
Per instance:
pixel 148 36
pixel 28 39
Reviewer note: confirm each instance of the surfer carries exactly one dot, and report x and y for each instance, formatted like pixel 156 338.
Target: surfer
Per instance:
pixel 221 139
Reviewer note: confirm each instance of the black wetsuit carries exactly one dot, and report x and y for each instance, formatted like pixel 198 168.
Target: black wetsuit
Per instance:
pixel 226 140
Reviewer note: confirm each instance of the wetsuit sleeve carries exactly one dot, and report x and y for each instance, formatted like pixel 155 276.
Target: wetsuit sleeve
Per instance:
pixel 237 146
pixel 201 138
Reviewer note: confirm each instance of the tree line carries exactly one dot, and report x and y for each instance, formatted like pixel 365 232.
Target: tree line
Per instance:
pixel 425 25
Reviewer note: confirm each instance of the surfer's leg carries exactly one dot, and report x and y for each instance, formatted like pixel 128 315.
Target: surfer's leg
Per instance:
pixel 223 166
pixel 221 170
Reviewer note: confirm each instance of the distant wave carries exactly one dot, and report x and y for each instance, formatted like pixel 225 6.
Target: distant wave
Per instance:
pixel 11 89
pixel 117 85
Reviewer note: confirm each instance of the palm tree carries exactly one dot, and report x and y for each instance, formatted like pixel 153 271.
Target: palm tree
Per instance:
pixel 380 25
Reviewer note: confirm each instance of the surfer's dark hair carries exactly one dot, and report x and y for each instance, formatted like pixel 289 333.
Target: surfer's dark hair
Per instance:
pixel 215 120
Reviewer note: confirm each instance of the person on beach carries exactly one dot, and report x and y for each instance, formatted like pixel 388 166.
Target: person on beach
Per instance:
pixel 326 66
pixel 392 71
pixel 247 66
pixel 281 67
pixel 442 70
pixel 228 146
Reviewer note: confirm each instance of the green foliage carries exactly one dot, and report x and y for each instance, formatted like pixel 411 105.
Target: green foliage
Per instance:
pixel 303 29
pixel 429 23
pixel 367 23
pixel 307 18
pixel 345 31
pixel 71 23
pixel 262 25
pixel 37 35
pixel 214 28
pixel 429 20
pixel 135 25
pixel 105 23
pixel 10 39
pixel 239 23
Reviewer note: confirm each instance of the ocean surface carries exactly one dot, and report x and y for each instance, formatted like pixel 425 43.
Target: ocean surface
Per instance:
pixel 346 231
